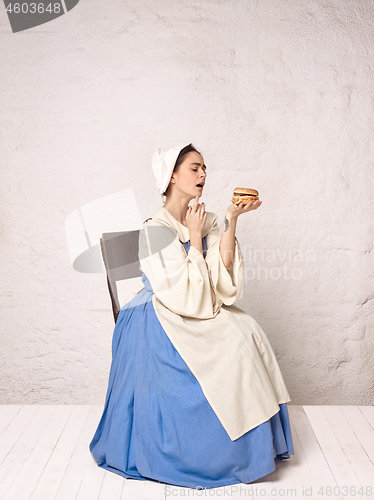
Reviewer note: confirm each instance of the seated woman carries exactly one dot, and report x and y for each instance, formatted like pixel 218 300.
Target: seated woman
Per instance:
pixel 195 395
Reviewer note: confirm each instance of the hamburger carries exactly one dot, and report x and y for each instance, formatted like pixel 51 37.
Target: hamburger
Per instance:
pixel 244 195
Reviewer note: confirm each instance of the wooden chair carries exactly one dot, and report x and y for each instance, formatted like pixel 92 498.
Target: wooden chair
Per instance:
pixel 121 260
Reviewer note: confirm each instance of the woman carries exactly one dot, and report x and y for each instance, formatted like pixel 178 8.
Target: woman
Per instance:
pixel 195 395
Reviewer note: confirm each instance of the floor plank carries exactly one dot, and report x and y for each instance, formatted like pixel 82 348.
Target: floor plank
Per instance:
pixel 350 445
pixel 361 427
pixel 339 465
pixel 368 412
pixel 7 413
pixel 92 481
pixel 44 455
pixel 30 473
pixel 81 457
pixel 20 452
pixel 111 488
pixel 55 469
pixel 312 452
pixel 301 471
pixel 132 489
pixel 15 427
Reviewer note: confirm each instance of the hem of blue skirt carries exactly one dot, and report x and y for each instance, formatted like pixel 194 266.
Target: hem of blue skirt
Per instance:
pixel 253 477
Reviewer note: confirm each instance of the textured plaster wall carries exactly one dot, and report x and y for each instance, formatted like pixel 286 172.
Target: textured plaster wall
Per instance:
pixel 277 96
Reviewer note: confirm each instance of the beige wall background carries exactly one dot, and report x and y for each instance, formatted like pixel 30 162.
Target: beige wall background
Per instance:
pixel 278 96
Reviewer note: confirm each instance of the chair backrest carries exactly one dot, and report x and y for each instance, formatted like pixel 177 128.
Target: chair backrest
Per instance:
pixel 121 260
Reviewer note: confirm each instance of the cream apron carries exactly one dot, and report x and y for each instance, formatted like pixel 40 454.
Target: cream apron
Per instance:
pixel 223 346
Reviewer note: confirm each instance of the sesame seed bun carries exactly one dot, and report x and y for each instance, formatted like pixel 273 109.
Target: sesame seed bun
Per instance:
pixel 244 195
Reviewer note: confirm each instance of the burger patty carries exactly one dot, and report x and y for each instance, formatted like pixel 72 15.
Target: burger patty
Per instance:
pixel 246 195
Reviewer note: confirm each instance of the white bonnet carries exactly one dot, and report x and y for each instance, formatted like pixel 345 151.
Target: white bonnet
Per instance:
pixel 163 163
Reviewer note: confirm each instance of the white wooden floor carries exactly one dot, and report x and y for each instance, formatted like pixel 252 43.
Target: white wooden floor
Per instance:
pixel 44 455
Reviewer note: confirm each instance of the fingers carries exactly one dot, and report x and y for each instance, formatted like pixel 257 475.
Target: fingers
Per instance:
pixel 250 205
pixel 253 204
pixel 196 206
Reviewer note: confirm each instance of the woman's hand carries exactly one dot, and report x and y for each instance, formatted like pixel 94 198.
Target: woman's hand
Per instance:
pixel 234 211
pixel 196 217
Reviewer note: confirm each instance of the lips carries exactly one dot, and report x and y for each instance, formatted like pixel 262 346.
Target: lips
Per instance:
pixel 200 185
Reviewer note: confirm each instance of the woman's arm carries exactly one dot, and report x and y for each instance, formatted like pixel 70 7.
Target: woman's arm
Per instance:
pixel 195 241
pixel 196 218
pixel 227 245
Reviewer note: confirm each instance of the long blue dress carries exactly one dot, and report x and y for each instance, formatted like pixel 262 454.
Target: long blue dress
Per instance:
pixel 157 423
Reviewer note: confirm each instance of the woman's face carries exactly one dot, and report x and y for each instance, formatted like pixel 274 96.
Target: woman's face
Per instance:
pixel 190 173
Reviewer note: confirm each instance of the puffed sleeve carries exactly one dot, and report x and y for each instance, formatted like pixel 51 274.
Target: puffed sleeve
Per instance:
pixel 180 281
pixel 227 285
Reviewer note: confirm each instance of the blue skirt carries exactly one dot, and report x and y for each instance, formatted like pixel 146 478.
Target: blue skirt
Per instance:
pixel 157 423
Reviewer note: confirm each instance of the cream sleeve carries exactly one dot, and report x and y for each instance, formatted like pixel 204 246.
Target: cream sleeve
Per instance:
pixel 227 285
pixel 180 281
